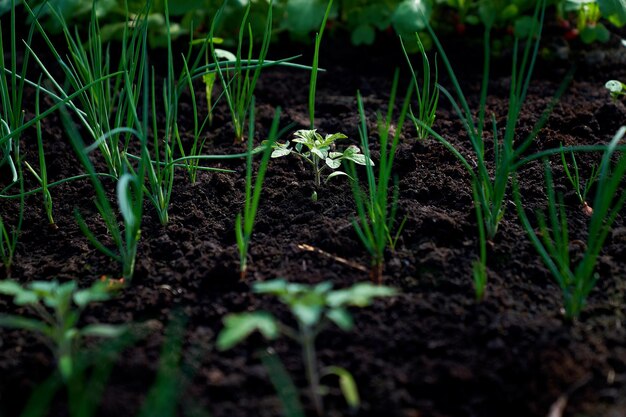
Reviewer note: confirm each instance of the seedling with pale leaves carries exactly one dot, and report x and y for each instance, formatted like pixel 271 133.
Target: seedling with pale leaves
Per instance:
pixel 616 88
pixel 314 308
pixel 318 151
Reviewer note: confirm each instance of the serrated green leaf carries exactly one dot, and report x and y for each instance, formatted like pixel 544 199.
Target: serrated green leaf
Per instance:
pixel 275 286
pixel 342 318
pixel 97 292
pixel 277 153
pixel 359 295
pixel 103 330
pixel 320 153
pixel 347 384
pixel 26 298
pixel 23 323
pixel 333 163
pixel 238 327
pixel 308 314
pixel 336 174
pixel 10 287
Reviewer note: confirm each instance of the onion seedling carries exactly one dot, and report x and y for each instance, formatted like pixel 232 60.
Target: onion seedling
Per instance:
pixel 490 190
pixel 42 178
pixel 11 93
pixel 9 238
pixel 428 95
pixel 314 308
pixel 376 212
pixel 57 308
pixel 315 67
pixel 130 195
pixel 101 105
pixel 239 85
pixel 574 178
pixel 553 243
pixel 244 223
pixel 318 151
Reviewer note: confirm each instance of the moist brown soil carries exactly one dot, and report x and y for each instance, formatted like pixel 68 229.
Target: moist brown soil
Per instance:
pixel 431 351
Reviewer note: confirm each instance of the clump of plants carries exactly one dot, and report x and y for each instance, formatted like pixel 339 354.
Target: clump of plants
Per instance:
pixel 581 187
pixel 553 243
pixel 314 308
pixel 56 309
pixel 427 93
pixel 491 174
pixel 377 205
pixel 244 222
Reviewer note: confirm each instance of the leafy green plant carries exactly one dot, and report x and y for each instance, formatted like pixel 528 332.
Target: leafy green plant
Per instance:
pixel 57 308
pixel 317 151
pixel 552 242
pixel 428 95
pixel 588 24
pixel 313 307
pixel 581 189
pixel 376 208
pixel 244 223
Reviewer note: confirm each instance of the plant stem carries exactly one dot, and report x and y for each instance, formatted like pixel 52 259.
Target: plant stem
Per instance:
pixel 376 273
pixel 310 363
pixel 318 171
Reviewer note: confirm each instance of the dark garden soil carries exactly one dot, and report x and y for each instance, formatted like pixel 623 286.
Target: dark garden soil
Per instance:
pixel 431 351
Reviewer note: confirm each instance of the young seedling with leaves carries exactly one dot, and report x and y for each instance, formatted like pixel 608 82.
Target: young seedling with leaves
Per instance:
pixel 57 309
pixel 314 308
pixel 377 207
pixel 427 95
pixel 244 223
pixel 553 242
pixel 318 151
pixel 580 188
pixel 616 88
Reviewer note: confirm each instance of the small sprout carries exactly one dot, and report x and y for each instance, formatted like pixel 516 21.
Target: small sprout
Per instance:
pixel 581 188
pixel 616 88
pixel 314 308
pixel 319 151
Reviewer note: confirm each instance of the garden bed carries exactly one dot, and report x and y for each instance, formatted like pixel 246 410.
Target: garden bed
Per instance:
pixel 430 351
